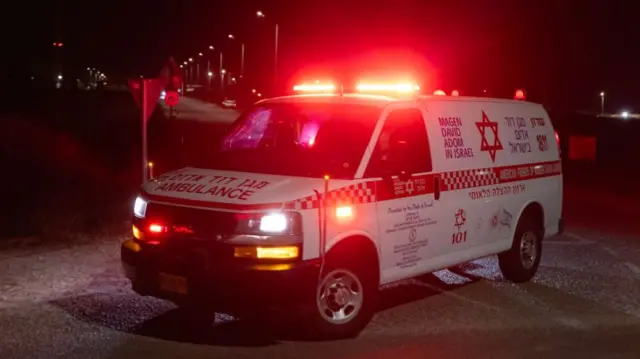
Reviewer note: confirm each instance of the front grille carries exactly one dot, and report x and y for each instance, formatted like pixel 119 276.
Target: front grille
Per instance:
pixel 204 223
pixel 197 251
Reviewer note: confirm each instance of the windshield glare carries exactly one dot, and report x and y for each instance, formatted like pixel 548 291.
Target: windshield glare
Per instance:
pixel 299 139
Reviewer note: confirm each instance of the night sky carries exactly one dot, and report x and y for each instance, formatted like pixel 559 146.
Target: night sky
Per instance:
pixel 563 54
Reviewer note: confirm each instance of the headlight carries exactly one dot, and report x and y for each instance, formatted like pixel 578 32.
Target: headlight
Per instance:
pixel 140 207
pixel 272 223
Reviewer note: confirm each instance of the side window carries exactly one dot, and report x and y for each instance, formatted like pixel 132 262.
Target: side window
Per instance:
pixel 403 146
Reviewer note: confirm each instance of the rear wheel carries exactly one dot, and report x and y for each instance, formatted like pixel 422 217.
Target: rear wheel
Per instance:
pixel 521 262
pixel 345 299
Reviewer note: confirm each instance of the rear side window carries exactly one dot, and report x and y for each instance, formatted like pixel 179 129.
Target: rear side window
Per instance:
pixel 406 126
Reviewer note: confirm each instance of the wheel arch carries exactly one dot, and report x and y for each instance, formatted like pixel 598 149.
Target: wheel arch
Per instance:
pixel 359 243
pixel 534 210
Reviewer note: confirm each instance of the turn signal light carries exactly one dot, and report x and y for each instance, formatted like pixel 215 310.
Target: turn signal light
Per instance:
pixel 280 252
pixel 137 233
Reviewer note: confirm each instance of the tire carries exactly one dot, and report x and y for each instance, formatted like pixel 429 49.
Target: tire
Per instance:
pixel 520 263
pixel 331 293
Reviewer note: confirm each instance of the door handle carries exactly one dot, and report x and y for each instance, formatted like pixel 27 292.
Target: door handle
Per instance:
pixel 436 187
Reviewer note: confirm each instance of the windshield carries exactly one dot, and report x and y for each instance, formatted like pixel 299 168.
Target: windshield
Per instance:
pixel 301 139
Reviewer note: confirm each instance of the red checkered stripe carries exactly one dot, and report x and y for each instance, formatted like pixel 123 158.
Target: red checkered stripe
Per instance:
pixel 462 179
pixel 363 192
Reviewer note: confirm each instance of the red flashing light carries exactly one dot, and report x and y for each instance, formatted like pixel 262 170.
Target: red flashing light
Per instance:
pixel 399 87
pixel 519 95
pixel 317 87
pixel 455 93
pixel 157 228
pixel 439 93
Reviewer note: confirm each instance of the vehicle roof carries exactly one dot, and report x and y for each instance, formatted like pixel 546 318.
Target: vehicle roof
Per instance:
pixel 381 100
pixel 355 99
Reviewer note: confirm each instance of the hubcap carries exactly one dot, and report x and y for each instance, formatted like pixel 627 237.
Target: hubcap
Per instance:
pixel 528 250
pixel 339 296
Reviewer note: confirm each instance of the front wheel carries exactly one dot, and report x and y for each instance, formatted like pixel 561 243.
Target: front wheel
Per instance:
pixel 345 300
pixel 521 262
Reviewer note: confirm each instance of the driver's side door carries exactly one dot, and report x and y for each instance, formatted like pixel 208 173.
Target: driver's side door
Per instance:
pixel 408 212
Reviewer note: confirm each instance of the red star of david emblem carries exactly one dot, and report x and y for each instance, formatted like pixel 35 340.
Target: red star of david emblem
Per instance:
pixel 484 145
pixel 461 217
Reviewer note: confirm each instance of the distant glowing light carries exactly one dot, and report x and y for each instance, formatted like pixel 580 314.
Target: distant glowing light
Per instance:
pixel 455 93
pixel 439 93
pixel 519 95
pixel 625 114
pixel 59 77
pixel 210 74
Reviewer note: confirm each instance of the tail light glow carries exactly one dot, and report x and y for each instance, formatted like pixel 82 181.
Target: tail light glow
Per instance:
pixel 455 93
pixel 439 93
pixel 157 228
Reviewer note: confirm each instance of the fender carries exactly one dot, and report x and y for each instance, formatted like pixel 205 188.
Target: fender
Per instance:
pixel 352 233
pixel 530 201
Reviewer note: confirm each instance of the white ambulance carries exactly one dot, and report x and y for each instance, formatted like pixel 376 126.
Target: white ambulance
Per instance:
pixel 314 201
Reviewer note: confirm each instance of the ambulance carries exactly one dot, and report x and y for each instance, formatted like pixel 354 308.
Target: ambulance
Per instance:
pixel 314 201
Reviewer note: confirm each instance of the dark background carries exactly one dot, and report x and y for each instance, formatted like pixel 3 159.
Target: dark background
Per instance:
pixel 563 52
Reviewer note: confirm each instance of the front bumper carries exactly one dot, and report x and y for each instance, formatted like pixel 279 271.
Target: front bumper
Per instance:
pixel 225 284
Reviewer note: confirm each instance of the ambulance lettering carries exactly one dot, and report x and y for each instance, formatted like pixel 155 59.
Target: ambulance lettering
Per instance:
pixel 521 133
pixel 214 186
pixel 451 131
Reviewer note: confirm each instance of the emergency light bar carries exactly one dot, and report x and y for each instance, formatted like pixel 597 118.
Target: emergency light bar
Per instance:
pixel 314 88
pixel 401 87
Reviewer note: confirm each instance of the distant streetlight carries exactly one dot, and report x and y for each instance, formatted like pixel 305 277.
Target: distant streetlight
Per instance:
pixel 241 55
pixel 59 77
pixel 199 53
pixel 625 114
pixel 210 74
pixel 211 47
pixel 191 59
pixel 602 102
pixel 261 15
